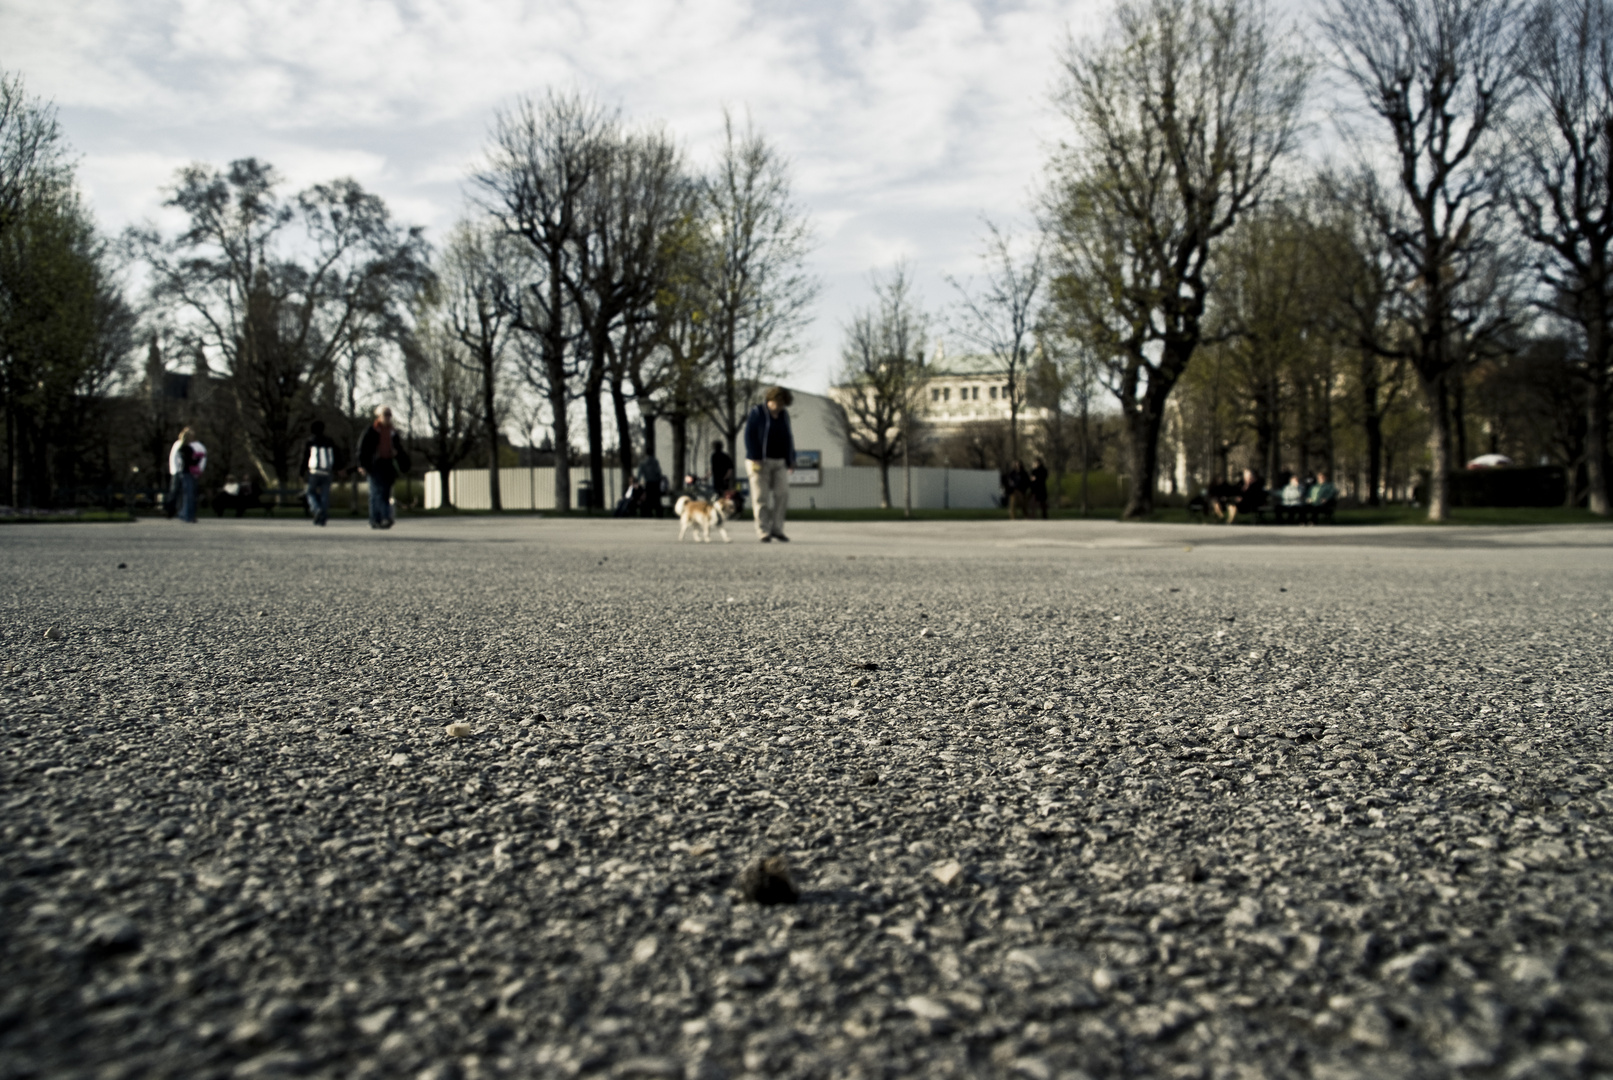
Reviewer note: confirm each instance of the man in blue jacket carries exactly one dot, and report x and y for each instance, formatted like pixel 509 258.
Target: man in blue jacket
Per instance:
pixel 769 457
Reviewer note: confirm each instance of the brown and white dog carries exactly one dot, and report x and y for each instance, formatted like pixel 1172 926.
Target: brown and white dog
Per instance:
pixel 703 514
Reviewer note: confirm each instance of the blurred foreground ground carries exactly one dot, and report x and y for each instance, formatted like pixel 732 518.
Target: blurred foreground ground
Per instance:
pixel 1067 799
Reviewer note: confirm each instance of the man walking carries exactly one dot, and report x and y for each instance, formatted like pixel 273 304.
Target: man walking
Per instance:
pixel 648 475
pixel 381 457
pixel 722 469
pixel 1038 488
pixel 769 457
pixel 318 464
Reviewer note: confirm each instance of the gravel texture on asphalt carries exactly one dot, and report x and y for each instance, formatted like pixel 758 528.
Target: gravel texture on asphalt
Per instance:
pixel 1060 800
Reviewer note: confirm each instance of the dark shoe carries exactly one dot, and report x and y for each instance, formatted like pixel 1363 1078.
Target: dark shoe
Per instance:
pixel 765 539
pixel 781 538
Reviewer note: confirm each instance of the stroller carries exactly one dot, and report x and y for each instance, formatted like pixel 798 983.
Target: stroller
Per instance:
pixel 631 504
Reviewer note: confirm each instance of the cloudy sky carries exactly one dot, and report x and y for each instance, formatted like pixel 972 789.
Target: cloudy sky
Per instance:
pixel 904 122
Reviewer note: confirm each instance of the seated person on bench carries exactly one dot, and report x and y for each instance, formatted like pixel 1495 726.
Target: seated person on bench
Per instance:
pixel 1250 496
pixel 1322 498
pixel 1213 499
pixel 1291 500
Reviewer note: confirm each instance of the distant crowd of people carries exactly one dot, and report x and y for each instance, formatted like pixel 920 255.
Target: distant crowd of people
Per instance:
pixel 1025 490
pixel 1295 500
pixel 382 458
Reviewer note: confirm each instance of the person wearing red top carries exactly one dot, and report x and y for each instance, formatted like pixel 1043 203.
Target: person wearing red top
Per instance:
pixel 382 459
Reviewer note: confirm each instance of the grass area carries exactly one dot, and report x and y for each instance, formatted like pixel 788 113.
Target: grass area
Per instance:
pixel 1412 515
pixel 1386 515
pixel 48 517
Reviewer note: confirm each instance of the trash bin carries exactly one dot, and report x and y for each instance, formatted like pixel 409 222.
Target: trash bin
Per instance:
pixel 585 495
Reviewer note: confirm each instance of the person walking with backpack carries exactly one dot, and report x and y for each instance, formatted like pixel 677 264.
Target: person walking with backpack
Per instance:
pixel 319 466
pixel 382 459
pixel 187 458
pixel 769 458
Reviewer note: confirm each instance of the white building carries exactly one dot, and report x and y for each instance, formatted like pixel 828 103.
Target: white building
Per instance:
pixel 969 389
pixel 958 391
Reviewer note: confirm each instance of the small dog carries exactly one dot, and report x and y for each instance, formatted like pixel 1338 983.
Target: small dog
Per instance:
pixel 703 514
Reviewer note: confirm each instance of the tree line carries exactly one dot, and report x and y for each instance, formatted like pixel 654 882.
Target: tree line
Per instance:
pixel 594 271
pixel 1198 285
pixel 1442 280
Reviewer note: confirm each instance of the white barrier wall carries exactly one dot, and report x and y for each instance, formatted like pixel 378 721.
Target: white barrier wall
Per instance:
pixel 851 488
pixel 519 489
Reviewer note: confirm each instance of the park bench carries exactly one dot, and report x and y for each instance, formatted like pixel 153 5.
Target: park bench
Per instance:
pixel 1282 514
pixel 267 500
pixel 1272 509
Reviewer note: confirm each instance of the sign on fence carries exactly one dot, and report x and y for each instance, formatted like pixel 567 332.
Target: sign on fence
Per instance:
pixel 808 469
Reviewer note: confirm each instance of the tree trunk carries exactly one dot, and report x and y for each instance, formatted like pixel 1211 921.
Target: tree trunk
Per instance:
pixel 907 472
pixel 1596 460
pixel 1439 447
pixel 1265 427
pixel 1458 397
pixel 1143 420
pixel 443 473
pixel 624 430
pixel 1086 458
pixel 1374 432
pixel 1273 462
pixel 680 441
pixel 554 363
pixel 594 412
pixel 490 421
pixel 1372 421
pixel 884 482
pixel 649 431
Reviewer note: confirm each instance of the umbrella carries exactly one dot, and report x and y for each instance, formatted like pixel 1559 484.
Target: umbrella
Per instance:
pixel 1489 461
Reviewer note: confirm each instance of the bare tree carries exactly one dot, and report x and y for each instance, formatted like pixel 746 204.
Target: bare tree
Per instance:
pixel 1269 306
pixel 441 378
pixel 475 276
pixel 1064 373
pixel 678 387
pixel 756 286
pixel 278 311
pixel 1563 193
pixel 1000 319
pixel 1181 114
pixel 545 156
pixel 638 197
pixel 882 376
pixel 1438 75
pixel 33 154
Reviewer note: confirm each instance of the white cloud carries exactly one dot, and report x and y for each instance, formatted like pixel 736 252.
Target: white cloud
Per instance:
pixel 904 121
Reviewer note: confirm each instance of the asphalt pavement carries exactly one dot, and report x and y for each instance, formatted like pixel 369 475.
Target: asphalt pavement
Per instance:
pixel 1054 800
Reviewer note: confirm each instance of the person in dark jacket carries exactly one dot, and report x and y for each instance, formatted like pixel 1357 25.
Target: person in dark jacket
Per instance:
pixel 382 459
pixel 1038 488
pixel 722 468
pixel 652 480
pixel 769 457
pixel 1250 496
pixel 319 466
pixel 1016 486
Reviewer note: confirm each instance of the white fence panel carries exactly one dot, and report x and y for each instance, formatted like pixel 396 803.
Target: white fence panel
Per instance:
pixel 853 487
pixel 519 489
